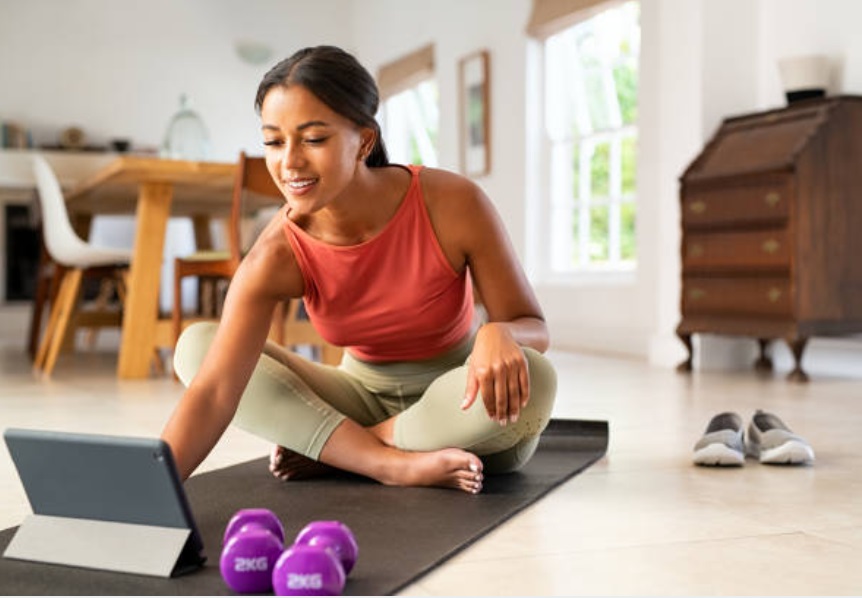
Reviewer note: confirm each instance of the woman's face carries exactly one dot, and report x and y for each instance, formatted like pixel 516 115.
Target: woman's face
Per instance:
pixel 311 151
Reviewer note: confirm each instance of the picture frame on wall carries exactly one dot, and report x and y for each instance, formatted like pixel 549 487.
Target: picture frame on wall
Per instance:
pixel 475 105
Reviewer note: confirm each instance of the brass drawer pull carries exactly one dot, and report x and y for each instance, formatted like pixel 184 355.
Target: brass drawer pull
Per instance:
pixel 771 246
pixel 696 294
pixel 695 250
pixel 698 207
pixel 772 198
pixel 774 294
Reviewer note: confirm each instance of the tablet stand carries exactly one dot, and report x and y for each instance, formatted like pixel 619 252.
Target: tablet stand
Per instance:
pixel 106 545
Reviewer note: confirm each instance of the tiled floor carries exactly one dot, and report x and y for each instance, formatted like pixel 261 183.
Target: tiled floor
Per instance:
pixel 642 521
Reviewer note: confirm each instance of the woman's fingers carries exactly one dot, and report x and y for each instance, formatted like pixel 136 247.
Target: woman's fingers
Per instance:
pixel 504 384
pixel 471 392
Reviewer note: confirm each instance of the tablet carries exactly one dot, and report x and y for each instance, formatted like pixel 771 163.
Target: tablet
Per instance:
pixel 125 480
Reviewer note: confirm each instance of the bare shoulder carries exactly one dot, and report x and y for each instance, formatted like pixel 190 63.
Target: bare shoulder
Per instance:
pixel 464 218
pixel 451 195
pixel 270 264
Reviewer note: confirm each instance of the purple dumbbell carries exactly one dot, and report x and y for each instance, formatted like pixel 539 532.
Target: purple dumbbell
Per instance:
pixel 318 562
pixel 333 535
pixel 261 517
pixel 253 542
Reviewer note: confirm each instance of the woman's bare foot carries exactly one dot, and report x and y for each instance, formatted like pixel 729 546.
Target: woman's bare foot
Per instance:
pixel 286 464
pixel 446 468
pixel 370 452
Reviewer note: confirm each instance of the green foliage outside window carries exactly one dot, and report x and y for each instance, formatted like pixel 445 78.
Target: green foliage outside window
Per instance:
pixel 625 77
pixel 600 171
pixel 628 215
pixel 599 246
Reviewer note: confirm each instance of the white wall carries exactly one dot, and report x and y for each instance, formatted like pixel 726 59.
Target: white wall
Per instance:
pixel 116 69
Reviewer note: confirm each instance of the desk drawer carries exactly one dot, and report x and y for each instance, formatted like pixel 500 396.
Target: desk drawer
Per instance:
pixel 759 250
pixel 738 296
pixel 756 203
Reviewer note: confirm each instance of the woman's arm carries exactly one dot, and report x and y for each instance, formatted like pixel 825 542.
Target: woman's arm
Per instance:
pixel 210 401
pixel 471 233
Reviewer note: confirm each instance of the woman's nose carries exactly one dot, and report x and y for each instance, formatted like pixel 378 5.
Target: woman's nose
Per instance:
pixel 291 155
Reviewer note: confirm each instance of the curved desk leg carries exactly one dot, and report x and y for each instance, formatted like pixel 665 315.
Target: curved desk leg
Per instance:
pixel 797 347
pixel 685 366
pixel 763 363
pixel 141 309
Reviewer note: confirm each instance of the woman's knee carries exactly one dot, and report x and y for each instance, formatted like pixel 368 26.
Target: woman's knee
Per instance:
pixel 543 387
pixel 191 348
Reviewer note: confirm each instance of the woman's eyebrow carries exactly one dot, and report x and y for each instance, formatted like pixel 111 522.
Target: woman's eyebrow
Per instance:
pixel 302 127
pixel 312 123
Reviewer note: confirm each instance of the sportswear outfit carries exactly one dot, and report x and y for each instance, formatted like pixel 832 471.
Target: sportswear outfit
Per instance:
pixel 406 320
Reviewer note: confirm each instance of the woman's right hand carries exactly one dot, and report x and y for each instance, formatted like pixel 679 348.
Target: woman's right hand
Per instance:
pixel 498 371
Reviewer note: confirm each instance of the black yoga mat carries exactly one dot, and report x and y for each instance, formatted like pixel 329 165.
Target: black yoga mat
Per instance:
pixel 402 532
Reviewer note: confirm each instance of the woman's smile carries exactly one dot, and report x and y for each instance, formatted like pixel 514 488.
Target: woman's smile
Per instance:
pixel 300 186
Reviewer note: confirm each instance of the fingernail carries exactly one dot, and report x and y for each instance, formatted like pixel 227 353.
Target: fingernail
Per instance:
pixel 473 467
pixel 514 418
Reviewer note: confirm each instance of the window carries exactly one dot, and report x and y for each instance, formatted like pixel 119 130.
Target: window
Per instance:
pixel 590 128
pixel 409 121
pixel 409 109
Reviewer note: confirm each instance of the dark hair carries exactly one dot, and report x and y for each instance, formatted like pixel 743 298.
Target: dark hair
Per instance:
pixel 339 81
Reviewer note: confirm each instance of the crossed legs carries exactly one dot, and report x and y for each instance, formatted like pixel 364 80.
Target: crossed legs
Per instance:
pixel 322 414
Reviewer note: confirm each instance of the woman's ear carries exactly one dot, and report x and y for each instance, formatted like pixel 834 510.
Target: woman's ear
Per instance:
pixel 369 138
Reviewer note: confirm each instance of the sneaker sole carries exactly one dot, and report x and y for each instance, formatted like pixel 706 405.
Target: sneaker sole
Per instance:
pixel 718 455
pixel 792 452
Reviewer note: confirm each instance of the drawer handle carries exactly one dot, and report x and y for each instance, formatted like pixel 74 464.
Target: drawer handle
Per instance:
pixel 774 294
pixel 698 207
pixel 696 294
pixel 695 250
pixel 772 198
pixel 771 246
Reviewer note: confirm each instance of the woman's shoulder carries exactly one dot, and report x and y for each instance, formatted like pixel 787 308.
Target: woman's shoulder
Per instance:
pixel 271 257
pixel 444 189
pixel 439 179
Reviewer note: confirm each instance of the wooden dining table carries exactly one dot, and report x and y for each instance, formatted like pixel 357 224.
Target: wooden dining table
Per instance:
pixel 154 190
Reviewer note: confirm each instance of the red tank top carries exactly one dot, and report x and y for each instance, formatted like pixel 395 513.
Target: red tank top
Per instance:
pixel 394 297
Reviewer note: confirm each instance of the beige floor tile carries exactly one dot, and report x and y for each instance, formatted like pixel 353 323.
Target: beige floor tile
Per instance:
pixel 786 564
pixel 850 536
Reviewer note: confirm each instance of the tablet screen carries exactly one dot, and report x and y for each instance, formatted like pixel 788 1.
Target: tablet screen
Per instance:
pixel 100 477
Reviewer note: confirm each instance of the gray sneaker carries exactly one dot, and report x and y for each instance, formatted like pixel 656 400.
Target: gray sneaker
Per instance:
pixel 771 441
pixel 722 443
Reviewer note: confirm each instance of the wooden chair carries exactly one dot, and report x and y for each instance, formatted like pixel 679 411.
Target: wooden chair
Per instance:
pixel 253 185
pixel 48 276
pixel 74 259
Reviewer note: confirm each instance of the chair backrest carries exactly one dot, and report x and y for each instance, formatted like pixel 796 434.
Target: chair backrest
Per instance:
pixel 60 238
pixel 253 184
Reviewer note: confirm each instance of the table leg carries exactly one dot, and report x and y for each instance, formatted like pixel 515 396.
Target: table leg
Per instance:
pixel 141 309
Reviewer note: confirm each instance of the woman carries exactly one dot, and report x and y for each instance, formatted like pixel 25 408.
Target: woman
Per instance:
pixel 385 257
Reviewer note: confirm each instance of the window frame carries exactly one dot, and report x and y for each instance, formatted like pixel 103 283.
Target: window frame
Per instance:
pixel 544 202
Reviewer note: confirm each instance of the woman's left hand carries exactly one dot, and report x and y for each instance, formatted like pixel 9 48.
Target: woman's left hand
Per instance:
pixel 498 370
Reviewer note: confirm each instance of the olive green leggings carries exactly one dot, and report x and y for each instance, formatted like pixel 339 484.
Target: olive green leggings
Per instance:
pixel 298 403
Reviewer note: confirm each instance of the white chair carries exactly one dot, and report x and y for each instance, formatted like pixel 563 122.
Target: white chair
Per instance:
pixel 76 258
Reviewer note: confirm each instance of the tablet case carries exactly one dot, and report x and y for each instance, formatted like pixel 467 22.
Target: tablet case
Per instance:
pixel 104 502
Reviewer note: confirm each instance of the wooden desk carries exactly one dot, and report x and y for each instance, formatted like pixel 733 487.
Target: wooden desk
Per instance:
pixel 771 221
pixel 153 189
